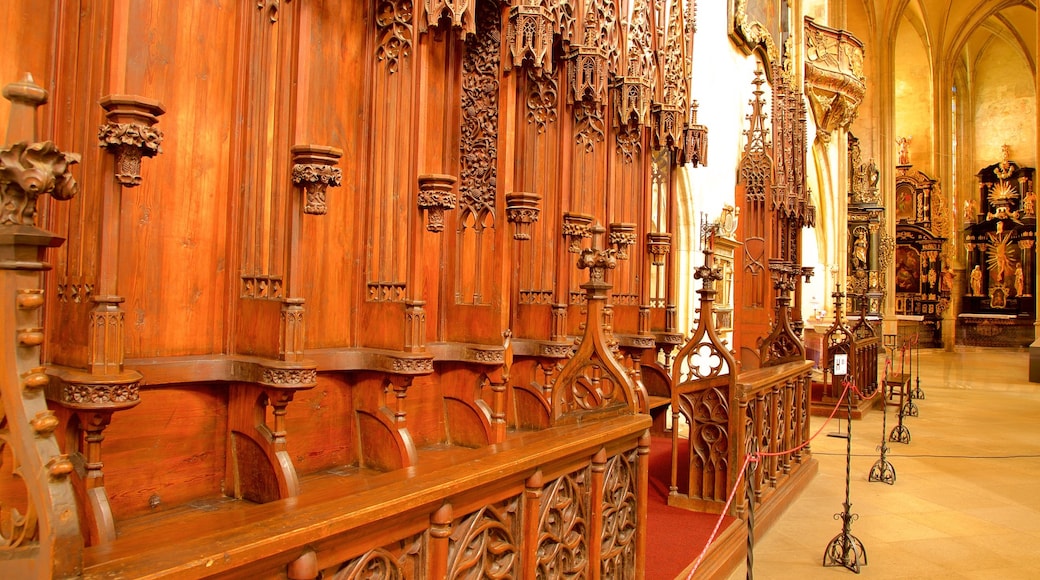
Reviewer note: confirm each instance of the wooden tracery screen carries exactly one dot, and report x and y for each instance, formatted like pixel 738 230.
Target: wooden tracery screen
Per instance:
pixel 775 206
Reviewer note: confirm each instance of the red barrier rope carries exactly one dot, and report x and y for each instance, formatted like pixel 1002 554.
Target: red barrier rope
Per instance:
pixel 729 501
pixel 756 457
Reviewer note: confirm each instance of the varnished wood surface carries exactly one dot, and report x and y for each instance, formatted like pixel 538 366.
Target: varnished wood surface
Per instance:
pixel 196 542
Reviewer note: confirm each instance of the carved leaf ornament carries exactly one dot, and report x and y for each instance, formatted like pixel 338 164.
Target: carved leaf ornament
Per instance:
pixel 28 171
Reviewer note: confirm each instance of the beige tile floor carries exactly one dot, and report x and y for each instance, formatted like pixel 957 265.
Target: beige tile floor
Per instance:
pixel 966 501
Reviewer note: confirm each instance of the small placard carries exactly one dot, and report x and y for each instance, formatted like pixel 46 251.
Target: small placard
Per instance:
pixel 841 364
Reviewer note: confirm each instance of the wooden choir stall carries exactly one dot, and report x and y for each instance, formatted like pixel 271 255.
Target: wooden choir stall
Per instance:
pixel 351 289
pixel 331 296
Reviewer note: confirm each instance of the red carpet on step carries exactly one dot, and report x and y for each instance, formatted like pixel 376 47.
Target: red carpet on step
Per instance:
pixel 675 536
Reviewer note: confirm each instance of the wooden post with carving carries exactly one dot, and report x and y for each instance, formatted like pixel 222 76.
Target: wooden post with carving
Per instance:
pixel 42 537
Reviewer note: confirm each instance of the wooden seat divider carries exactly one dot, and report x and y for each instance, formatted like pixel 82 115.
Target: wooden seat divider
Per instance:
pixel 861 344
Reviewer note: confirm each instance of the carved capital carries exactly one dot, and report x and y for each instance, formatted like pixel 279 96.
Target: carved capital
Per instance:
pixel 597 260
pixel 436 194
pixel 622 237
pixel 576 226
pixel 522 210
pixel 658 245
pixel 130 134
pixel 314 170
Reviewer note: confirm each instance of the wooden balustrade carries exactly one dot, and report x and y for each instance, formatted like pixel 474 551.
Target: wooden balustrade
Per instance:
pixel 774 404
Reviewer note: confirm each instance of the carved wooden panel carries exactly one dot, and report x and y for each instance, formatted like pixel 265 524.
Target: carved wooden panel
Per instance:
pixel 475 243
pixel 563 528
pixel 391 172
pixel 620 524
pixel 486 543
pixel 401 560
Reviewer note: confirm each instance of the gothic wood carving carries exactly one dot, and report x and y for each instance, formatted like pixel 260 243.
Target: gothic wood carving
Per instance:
pixel 563 527
pixel 43 533
pixel 593 380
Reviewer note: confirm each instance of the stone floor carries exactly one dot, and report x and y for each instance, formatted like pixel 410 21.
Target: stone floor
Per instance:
pixel 966 500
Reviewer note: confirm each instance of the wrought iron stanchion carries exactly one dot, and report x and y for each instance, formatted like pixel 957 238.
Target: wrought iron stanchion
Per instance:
pixel 917 393
pixel 909 408
pixel 749 497
pixel 845 549
pixel 883 470
pixel 900 434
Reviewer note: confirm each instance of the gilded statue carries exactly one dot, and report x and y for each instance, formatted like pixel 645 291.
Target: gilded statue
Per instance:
pixel 976 281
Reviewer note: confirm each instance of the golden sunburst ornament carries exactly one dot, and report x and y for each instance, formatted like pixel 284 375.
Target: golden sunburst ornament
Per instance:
pixel 1002 192
pixel 1000 257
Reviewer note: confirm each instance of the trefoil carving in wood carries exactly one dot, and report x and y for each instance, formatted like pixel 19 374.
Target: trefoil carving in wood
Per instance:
pixel 530 37
pixel 483 543
pixel 704 375
pixel 436 194
pixel 563 528
pixel 394 31
pixel 130 134
pixel 542 100
pixel 314 169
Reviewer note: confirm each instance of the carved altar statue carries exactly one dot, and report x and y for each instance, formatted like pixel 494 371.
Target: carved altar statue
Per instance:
pixel 976 281
pixel 904 149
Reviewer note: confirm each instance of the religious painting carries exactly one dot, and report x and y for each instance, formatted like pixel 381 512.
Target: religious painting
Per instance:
pixel 905 203
pixel 908 270
pixel 760 24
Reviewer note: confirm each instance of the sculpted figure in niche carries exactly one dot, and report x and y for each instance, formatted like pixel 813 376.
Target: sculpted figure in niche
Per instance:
pixel 971 209
pixel 859 251
pixel 976 281
pixel 946 280
pixel 1029 204
pixel 1020 280
pixel 904 149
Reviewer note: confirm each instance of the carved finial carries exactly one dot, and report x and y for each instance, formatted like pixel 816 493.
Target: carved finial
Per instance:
pixel 597 260
pixel 839 302
pixel 29 169
pixel 25 96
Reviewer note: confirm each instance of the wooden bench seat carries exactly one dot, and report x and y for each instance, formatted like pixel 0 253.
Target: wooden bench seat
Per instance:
pixel 343 513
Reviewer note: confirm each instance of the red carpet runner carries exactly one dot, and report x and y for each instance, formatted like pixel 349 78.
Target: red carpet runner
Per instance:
pixel 675 537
